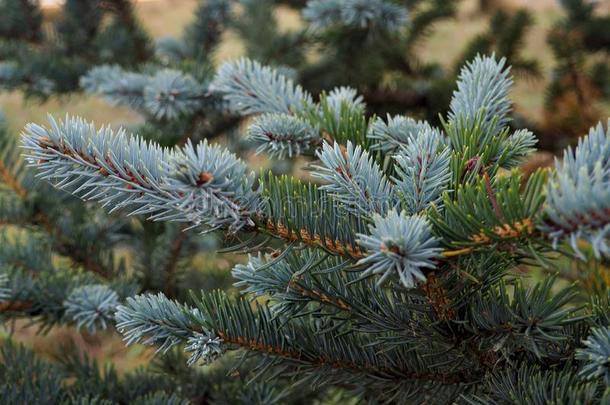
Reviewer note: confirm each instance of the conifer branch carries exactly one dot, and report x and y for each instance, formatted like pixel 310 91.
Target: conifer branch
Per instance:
pixel 270 341
pixel 578 196
pixel 335 247
pixel 354 179
pixel 371 15
pixel 203 185
pixel 251 88
pixel 484 84
pixel 394 278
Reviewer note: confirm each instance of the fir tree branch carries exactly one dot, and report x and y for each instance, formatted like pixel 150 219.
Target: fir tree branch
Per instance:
pixel 578 196
pixel 298 211
pixel 204 185
pixel 252 88
pixel 335 247
pixel 319 296
pixel 268 337
pixel 322 361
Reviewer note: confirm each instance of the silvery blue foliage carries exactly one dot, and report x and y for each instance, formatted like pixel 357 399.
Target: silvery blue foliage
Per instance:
pixel 594 356
pixel 100 76
pixel 396 131
pixel 252 88
pixel 516 147
pixel 170 49
pixel 204 348
pixel 9 74
pixel 171 93
pixel 167 94
pixel 423 171
pixel 91 306
pixel 363 14
pixel 116 86
pixel 154 319
pixel 399 245
pixel 483 87
pixel 205 185
pixel 250 279
pixel 282 135
pixel 578 194
pixel 340 96
pixel 215 186
pixel 354 178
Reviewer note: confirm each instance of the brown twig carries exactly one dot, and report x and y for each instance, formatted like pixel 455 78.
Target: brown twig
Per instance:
pixel 437 297
pixel 319 296
pixel 15 306
pixel 323 361
pixel 12 181
pixel 335 247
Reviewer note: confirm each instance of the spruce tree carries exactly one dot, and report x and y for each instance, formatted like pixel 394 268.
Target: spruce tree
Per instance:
pixel 395 274
pixel 171 92
pixel 368 45
pixel 581 46
pixel 43 61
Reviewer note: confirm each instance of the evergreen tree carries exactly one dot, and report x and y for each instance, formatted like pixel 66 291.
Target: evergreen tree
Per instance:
pixel 394 275
pixel 171 92
pixel 581 45
pixel 368 45
pixel 49 61
pixel 183 67
pixel 59 254
pixel 65 262
pixel 21 20
pixel 505 37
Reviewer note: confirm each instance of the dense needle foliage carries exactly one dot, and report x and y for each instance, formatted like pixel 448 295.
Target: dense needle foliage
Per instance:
pixel 392 275
pixel 412 262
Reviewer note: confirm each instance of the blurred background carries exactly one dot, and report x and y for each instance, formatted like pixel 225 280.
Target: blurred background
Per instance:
pixel 444 42
pixel 55 57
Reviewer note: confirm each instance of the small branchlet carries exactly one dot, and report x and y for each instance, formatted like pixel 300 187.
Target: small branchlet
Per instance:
pixel 578 195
